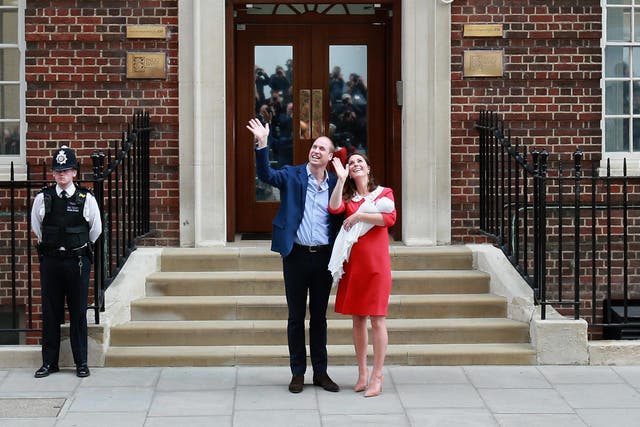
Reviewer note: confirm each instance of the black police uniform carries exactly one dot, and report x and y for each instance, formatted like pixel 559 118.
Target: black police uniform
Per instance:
pixel 64 273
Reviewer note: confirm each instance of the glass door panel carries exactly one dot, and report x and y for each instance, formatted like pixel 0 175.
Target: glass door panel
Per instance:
pixel 273 99
pixel 348 96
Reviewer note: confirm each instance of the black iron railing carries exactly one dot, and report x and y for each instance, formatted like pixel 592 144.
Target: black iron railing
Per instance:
pixel 120 183
pixel 573 236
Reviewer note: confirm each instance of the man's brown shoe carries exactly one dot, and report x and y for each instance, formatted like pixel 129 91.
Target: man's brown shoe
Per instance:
pixel 296 384
pixel 325 382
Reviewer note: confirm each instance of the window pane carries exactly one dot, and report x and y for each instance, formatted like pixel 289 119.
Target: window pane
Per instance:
pixel 617 97
pixel 616 61
pixel 623 2
pixel 636 97
pixel 9 101
pixel 9 64
pixel 617 134
pixel 9 28
pixel 618 24
pixel 9 3
pixel 348 96
pixel 10 144
pixel 273 77
pixel 636 135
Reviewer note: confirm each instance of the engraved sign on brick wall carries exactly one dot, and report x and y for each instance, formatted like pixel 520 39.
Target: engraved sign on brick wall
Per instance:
pixel 483 63
pixel 146 65
pixel 146 32
pixel 482 30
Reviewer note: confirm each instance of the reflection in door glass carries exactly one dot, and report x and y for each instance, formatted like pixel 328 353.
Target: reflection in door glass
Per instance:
pixel 348 96
pixel 274 105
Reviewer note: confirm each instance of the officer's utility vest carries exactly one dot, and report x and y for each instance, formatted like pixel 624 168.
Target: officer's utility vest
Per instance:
pixel 63 224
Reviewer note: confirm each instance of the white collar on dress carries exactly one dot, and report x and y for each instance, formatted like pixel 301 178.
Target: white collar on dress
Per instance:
pixel 371 196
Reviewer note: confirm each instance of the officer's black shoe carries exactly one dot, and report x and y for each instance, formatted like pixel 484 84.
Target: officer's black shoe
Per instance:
pixel 45 370
pixel 82 371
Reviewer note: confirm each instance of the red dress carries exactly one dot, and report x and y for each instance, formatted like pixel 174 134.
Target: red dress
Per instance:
pixel 365 287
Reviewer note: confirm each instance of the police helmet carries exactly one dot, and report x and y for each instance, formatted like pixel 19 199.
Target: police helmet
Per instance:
pixel 64 158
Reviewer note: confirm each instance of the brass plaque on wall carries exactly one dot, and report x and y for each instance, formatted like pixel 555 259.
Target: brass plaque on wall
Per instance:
pixel 146 65
pixel 482 30
pixel 146 32
pixel 483 63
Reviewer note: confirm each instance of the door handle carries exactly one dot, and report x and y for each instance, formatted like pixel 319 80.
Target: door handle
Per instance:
pixel 317 122
pixel 305 114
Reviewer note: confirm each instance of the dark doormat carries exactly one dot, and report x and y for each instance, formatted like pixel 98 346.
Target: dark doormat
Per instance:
pixel 255 236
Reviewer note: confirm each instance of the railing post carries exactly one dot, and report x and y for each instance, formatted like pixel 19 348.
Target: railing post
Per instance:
pixel 99 255
pixel 542 231
pixel 577 158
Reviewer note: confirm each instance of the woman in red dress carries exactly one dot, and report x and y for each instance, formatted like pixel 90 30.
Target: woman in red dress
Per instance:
pixel 365 286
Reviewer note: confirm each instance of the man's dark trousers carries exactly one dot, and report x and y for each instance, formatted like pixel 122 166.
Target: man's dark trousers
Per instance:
pixel 304 272
pixel 60 277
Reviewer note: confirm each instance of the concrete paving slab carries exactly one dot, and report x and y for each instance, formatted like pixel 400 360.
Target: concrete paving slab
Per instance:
pixel 116 399
pixel 451 418
pixel 600 396
pixel 539 420
pixel 529 401
pixel 213 420
pixel 251 398
pixel 428 375
pixel 630 374
pixel 348 402
pixel 103 419
pixel 439 395
pixel 506 377
pixel 277 418
pixel 580 374
pixel 610 417
pixel 22 380
pixel 205 378
pixel 192 403
pixel 265 375
pixel 381 420
pixel 121 377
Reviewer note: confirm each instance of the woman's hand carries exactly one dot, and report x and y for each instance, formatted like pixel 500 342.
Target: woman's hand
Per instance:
pixel 351 221
pixel 341 172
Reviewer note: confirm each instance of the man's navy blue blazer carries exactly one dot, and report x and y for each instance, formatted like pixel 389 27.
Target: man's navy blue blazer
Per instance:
pixel 292 182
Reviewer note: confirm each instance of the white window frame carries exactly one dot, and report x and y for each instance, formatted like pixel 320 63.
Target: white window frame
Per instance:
pixel 19 160
pixel 616 158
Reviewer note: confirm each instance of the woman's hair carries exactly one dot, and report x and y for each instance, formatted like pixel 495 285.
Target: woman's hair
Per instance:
pixel 350 186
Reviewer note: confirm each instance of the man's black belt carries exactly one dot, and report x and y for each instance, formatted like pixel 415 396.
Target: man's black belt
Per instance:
pixel 312 249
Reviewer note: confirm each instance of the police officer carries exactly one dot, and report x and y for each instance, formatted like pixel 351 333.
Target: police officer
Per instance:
pixel 66 220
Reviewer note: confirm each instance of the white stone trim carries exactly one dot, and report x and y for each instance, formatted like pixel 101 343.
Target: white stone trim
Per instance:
pixel 426 119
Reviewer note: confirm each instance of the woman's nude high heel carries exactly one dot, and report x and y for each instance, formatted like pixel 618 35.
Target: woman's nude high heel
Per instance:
pixel 375 387
pixel 361 385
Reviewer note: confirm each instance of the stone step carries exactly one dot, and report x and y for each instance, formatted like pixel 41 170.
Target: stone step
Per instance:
pixel 273 307
pixel 273 332
pixel 397 354
pixel 271 282
pixel 260 258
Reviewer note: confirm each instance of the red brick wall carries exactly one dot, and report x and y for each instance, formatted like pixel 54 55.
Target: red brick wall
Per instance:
pixel 549 95
pixel 78 93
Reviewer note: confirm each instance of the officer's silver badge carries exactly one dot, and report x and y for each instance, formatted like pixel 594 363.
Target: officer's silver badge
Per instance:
pixel 61 158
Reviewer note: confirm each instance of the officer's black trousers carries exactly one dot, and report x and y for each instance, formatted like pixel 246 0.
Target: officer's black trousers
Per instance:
pixel 60 278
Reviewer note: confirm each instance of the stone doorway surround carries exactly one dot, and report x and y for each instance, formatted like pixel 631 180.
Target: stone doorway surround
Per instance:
pixel 426 83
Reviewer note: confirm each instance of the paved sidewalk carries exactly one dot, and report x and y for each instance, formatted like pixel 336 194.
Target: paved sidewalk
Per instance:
pixel 520 396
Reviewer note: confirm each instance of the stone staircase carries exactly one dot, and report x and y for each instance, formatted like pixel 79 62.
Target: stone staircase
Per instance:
pixel 226 306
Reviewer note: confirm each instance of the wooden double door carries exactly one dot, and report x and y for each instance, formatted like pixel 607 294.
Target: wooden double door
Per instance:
pixel 306 80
